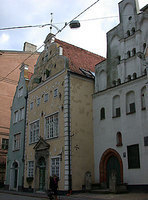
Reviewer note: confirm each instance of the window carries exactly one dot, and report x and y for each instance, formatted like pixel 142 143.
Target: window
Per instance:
pixel 16 117
pixel 47 73
pixel 51 130
pixel 146 141
pixel 55 92
pixel 16 141
pixel 55 166
pixel 102 113
pixel 46 97
pixel 133 30
pixel 128 54
pixel 133 156
pixel 143 95
pixel 128 33
pixel 129 77
pixel 134 52
pixel 30 168
pixel 38 101
pixel 130 102
pixel 20 92
pixel 22 113
pixel 34 132
pixel 31 105
pixel 119 139
pixel 116 106
pixel 5 143
pixel 134 75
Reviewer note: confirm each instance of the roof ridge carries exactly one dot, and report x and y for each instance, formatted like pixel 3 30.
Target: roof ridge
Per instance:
pixel 89 52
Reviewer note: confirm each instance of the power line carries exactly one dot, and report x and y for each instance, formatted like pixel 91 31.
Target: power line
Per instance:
pixel 8 80
pixel 66 24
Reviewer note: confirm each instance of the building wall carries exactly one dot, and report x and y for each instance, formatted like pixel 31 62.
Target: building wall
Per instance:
pixel 10 60
pixel 81 129
pixel 17 154
pixel 53 105
pixel 123 71
pixel 132 127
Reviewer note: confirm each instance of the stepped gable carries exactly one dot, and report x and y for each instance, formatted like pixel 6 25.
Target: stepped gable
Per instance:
pixel 79 58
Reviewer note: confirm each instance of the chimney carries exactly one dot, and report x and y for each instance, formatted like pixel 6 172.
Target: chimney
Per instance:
pixel 29 47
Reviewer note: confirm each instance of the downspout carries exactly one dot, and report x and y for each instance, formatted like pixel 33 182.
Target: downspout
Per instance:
pixel 69 137
pixel 23 159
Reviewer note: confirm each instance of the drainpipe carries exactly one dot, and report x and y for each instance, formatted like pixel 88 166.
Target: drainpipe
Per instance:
pixel 69 138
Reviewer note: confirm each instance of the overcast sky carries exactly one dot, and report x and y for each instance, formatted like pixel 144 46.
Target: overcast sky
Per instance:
pixel 90 36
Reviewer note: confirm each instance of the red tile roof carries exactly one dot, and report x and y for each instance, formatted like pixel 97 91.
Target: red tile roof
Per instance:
pixel 79 58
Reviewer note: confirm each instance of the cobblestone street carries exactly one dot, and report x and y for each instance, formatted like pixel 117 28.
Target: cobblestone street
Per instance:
pixel 9 195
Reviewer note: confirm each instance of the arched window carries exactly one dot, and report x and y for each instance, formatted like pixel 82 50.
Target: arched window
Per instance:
pixel 134 52
pixel 128 54
pixel 128 33
pixel 102 113
pixel 114 82
pixel 119 139
pixel 133 30
pixel 134 75
pixel 119 81
pixel 143 94
pixel 129 77
pixel 116 106
pixel 130 102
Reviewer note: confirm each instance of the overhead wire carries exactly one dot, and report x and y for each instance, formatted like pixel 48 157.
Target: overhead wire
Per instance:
pixel 66 24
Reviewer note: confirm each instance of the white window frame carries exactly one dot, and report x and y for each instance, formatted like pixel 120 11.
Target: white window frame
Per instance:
pixel 52 127
pixel 20 92
pixel 16 116
pixel 46 97
pixel 55 92
pixel 38 101
pixel 16 141
pixel 31 105
pixel 33 137
pixel 55 166
pixel 30 168
pixel 22 114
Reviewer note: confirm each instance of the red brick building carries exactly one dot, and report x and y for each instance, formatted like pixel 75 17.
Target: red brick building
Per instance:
pixel 10 62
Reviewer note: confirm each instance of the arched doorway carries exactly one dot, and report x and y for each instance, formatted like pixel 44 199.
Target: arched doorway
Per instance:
pixel 42 169
pixel 111 162
pixel 14 176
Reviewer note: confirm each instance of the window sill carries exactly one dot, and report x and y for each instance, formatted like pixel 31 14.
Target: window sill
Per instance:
pixel 144 108
pixel 16 150
pixel 115 116
pixel 131 113
pixel 51 138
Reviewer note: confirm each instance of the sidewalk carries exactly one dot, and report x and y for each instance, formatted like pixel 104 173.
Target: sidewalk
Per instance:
pixel 127 196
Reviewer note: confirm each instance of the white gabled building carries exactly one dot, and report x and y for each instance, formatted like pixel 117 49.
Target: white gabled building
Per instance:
pixel 120 101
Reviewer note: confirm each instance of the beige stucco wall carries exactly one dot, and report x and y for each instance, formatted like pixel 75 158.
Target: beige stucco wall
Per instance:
pixel 81 129
pixel 53 105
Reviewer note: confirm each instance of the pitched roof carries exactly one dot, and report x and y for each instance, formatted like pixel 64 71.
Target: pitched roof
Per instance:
pixel 79 58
